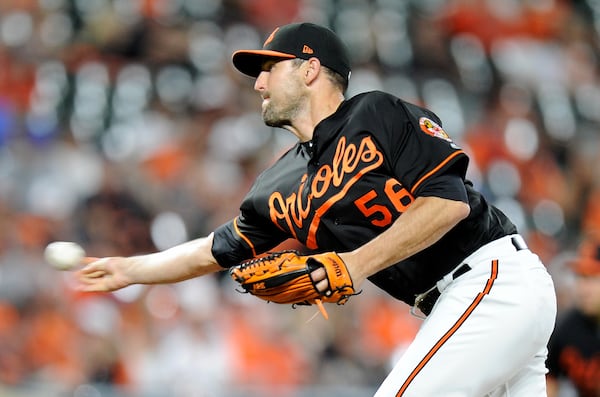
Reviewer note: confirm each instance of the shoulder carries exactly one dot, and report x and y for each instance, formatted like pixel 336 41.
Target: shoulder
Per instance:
pixel 371 98
pixel 373 105
pixel 380 102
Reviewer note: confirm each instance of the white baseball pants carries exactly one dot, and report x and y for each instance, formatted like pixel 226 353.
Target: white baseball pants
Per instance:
pixel 487 333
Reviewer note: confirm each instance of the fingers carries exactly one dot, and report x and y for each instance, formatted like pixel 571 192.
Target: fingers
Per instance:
pixel 89 259
pixel 319 278
pixel 90 276
pixel 92 269
pixel 94 276
pixel 322 285
pixel 94 285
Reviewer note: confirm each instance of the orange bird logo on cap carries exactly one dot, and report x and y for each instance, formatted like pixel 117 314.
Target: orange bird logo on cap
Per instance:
pixel 271 37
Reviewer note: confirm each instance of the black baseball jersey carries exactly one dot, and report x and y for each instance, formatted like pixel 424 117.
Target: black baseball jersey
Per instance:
pixel 363 168
pixel 574 352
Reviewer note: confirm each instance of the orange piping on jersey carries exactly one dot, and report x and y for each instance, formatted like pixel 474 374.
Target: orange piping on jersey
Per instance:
pixel 436 169
pixel 452 330
pixel 246 239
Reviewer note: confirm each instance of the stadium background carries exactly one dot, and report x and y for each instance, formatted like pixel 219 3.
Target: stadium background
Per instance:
pixel 124 127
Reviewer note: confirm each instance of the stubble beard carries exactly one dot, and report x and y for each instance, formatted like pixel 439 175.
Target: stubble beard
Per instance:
pixel 274 117
pixel 283 114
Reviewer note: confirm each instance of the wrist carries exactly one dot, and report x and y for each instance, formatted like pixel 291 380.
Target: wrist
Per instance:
pixel 355 268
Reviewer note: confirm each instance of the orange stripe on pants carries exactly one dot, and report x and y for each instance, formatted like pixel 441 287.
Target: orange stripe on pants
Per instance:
pixel 452 330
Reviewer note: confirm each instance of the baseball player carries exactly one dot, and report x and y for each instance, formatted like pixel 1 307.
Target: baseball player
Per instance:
pixel 375 189
pixel 574 347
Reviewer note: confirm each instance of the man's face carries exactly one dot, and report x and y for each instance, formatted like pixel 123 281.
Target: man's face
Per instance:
pixel 588 294
pixel 283 92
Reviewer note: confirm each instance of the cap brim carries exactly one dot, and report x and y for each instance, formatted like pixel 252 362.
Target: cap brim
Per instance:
pixel 250 62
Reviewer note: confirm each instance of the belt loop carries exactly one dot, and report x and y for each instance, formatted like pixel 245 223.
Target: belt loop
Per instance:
pixel 442 283
pixel 448 278
pixel 518 242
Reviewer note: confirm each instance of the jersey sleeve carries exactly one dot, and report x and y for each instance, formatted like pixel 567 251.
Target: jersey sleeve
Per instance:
pixel 422 155
pixel 239 239
pixel 247 235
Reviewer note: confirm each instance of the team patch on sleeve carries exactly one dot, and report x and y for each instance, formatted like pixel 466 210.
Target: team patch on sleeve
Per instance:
pixel 432 128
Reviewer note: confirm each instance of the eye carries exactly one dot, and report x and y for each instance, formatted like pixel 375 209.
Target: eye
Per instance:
pixel 268 65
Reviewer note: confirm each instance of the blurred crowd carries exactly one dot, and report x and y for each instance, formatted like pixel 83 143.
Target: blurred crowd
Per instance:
pixel 124 127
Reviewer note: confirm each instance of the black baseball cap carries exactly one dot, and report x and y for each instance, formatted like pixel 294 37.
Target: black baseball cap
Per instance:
pixel 297 40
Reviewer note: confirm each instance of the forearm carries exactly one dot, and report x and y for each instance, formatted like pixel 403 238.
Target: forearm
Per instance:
pixel 182 262
pixel 423 224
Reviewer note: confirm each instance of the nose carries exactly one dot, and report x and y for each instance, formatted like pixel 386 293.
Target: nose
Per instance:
pixel 260 83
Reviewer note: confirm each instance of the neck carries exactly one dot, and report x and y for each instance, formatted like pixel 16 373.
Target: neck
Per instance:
pixel 319 107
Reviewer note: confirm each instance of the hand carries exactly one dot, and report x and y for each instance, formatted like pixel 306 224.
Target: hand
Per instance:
pixel 104 274
pixel 319 276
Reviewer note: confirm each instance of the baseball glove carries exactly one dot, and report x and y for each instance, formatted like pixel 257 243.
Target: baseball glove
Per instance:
pixel 284 277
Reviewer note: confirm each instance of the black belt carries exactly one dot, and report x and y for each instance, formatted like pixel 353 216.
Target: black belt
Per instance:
pixel 425 302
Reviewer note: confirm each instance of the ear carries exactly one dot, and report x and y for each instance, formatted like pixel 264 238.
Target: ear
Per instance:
pixel 312 70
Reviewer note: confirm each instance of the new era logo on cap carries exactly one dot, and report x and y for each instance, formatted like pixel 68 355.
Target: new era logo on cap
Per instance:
pixel 307 50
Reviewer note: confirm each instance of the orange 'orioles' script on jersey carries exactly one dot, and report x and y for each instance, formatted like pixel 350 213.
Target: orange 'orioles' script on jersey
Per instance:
pixel 349 160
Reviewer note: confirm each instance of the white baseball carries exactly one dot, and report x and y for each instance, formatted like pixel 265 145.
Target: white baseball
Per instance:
pixel 64 255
